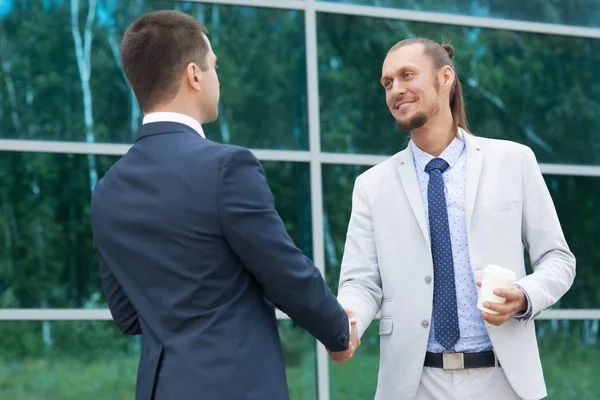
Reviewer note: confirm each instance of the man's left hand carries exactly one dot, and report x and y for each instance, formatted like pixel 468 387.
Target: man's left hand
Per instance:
pixel 516 302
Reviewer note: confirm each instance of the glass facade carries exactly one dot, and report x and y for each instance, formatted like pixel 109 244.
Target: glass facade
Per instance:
pixel 526 87
pixel 75 91
pixel 564 12
pixel 48 257
pixel 67 113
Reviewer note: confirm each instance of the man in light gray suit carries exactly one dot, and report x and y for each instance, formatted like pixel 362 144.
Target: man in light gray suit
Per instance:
pixel 424 225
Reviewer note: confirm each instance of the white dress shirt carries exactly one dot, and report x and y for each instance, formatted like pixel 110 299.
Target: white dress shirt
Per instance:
pixel 165 116
pixel 473 333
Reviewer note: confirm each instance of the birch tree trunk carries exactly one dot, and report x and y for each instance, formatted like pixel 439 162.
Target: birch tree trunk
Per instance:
pixel 83 50
pixel 12 97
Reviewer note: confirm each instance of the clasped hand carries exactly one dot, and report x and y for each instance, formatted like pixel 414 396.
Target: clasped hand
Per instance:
pixel 341 357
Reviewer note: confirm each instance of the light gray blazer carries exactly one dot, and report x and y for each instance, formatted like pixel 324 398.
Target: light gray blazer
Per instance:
pixel 387 265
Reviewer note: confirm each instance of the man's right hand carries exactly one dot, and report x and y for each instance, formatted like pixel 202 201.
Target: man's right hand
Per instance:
pixel 341 357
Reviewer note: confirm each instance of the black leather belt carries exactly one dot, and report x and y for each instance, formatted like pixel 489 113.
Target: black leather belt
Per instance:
pixel 452 361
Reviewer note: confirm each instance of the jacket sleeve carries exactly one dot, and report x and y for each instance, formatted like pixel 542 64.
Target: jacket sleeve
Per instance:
pixel 360 282
pixel 257 235
pixel 552 261
pixel 123 312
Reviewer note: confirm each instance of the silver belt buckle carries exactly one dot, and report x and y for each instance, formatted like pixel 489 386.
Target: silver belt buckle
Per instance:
pixel 453 361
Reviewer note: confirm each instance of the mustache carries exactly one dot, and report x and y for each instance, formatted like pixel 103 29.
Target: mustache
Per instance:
pixel 404 99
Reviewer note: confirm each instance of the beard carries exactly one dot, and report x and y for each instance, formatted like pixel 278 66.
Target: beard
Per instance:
pixel 416 122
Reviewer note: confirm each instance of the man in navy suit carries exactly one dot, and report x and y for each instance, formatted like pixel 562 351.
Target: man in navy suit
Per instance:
pixel 193 255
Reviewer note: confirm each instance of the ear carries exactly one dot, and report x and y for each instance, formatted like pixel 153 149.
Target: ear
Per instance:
pixel 447 76
pixel 193 76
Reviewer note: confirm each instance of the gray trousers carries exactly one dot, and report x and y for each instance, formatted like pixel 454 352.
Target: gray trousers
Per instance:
pixel 466 384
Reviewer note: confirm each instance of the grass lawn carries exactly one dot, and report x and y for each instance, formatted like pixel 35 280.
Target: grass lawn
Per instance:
pixel 112 379
pixel 571 373
pixel 68 379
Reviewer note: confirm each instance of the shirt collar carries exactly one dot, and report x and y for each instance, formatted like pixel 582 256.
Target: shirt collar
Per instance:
pixel 451 154
pixel 165 116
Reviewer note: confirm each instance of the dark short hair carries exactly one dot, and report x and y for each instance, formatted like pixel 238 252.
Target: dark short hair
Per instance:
pixel 155 50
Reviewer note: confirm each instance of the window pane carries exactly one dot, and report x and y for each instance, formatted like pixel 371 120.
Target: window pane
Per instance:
pixel 571 12
pixel 575 199
pixel 338 182
pixel 69 360
pixel 290 184
pixel 539 90
pixel 569 351
pixel 262 71
pixel 47 259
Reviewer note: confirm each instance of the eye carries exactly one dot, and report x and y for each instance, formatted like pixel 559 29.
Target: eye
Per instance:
pixel 387 84
pixel 407 75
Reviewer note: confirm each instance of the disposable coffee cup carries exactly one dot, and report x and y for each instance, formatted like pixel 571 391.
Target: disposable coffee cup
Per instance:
pixel 494 277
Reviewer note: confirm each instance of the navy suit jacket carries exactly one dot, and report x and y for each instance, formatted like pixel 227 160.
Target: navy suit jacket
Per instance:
pixel 193 256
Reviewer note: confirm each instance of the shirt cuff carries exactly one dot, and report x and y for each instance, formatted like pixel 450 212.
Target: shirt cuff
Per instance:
pixel 523 315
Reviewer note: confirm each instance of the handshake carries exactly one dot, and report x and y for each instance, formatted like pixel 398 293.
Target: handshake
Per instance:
pixel 341 357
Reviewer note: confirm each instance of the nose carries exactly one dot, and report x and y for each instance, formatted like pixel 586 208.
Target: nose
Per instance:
pixel 397 88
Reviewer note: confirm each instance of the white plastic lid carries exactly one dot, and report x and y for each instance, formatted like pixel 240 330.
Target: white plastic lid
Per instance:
pixel 500 272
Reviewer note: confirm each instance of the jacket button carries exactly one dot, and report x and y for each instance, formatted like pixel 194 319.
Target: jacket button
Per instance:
pixel 428 279
pixel 425 323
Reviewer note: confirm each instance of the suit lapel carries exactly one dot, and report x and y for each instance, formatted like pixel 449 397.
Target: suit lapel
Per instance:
pixel 408 179
pixel 474 165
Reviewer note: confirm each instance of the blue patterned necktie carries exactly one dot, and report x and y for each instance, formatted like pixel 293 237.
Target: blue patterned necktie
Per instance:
pixel 444 291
